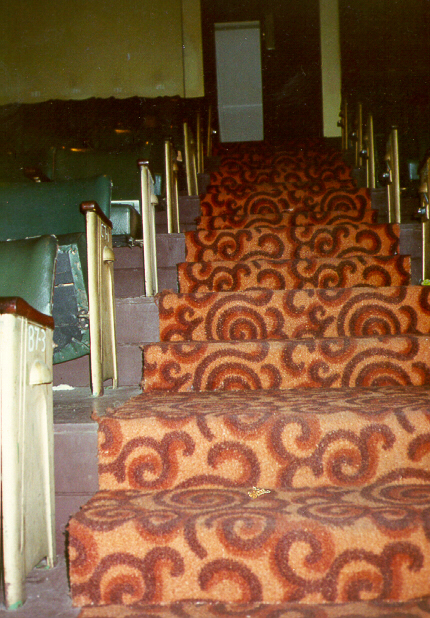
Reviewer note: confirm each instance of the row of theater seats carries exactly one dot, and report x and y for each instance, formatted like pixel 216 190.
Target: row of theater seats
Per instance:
pixel 57 303
pixel 126 187
pixel 26 410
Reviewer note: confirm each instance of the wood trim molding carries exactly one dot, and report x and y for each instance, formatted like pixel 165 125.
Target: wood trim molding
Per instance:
pixel 18 306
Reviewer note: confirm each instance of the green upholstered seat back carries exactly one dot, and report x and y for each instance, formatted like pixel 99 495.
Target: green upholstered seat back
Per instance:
pixel 28 210
pixel 34 209
pixel 27 270
pixel 121 167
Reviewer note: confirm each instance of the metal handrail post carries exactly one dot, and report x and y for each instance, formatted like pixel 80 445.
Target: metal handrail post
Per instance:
pixel 169 184
pixel 396 174
pixel 371 153
pixel 147 228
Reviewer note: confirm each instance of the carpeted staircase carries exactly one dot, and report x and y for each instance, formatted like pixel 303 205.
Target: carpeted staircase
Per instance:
pixel 277 460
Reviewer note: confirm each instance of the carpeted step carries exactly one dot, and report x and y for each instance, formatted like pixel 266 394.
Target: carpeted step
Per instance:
pixel 311 166
pixel 345 438
pixel 297 218
pixel 326 545
pixel 295 363
pixel 278 458
pixel 302 146
pixel 419 608
pixel 298 242
pixel 306 169
pixel 251 199
pixel 286 155
pixel 294 314
pixel 236 173
pixel 285 274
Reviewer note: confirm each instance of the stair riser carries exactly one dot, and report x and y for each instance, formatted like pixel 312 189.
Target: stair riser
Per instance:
pixel 328 363
pixel 292 242
pixel 307 168
pixel 418 608
pixel 287 218
pixel 288 274
pixel 255 200
pixel 213 544
pixel 330 178
pixel 294 314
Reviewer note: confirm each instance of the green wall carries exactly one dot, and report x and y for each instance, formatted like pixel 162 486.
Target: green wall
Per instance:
pixel 76 49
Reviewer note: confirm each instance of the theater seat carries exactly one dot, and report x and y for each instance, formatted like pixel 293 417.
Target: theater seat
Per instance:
pixel 26 410
pixel 83 305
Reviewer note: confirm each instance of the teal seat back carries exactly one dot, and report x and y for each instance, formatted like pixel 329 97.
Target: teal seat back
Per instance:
pixel 121 167
pixel 28 210
pixel 34 209
pixel 27 270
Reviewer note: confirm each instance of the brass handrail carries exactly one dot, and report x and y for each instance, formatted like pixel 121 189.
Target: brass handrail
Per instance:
pixel 172 204
pixel 393 174
pixel 424 211
pixel 149 201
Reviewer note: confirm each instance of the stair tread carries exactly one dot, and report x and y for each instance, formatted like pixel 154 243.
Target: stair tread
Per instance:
pixel 343 437
pixel 361 400
pixel 219 544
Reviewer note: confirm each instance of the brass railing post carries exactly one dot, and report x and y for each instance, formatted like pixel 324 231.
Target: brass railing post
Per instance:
pixel 172 204
pixel 393 175
pixel 199 144
pixel 190 160
pixel 370 153
pixel 209 133
pixel 396 174
pixel 101 297
pixel 148 229
pixel 424 211
pixel 343 124
pixel 359 135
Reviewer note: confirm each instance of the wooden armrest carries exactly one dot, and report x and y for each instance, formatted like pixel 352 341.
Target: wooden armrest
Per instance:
pixel 94 207
pixel 18 306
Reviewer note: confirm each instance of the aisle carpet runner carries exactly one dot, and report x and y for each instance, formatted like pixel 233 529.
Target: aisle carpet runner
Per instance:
pixel 277 461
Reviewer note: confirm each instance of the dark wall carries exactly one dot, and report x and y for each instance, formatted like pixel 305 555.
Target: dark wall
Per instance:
pixel 291 73
pixel 385 47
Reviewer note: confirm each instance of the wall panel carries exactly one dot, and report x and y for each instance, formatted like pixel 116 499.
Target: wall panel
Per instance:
pixel 76 49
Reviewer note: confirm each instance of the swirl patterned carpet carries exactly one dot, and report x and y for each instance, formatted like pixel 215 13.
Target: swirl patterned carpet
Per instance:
pixel 277 460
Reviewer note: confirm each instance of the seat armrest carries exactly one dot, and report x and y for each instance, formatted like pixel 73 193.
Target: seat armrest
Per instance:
pixel 94 207
pixel 18 306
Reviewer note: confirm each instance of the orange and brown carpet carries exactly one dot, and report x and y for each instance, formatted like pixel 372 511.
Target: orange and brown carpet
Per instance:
pixel 278 459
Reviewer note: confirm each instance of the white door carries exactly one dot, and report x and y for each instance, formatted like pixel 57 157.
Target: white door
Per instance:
pixel 239 82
